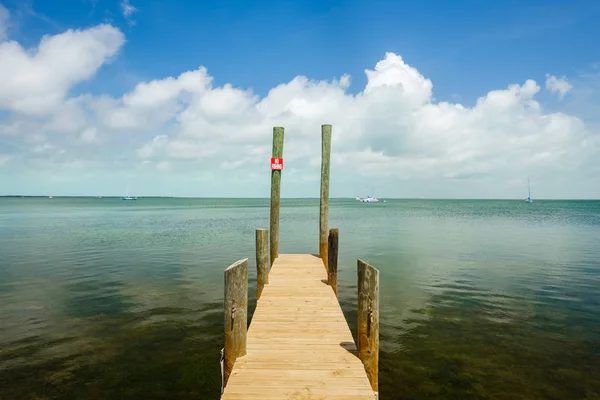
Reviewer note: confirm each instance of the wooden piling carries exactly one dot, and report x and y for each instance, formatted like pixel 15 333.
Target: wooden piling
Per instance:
pixel 324 203
pixel 278 133
pixel 332 259
pixel 236 315
pixel 368 321
pixel 262 260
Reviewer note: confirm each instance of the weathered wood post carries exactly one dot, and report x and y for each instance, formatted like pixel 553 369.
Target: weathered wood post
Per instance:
pixel 276 191
pixel 368 321
pixel 332 259
pixel 262 260
pixel 236 314
pixel 324 204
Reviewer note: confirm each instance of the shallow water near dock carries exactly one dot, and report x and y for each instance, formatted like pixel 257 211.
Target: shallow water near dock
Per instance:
pixel 106 299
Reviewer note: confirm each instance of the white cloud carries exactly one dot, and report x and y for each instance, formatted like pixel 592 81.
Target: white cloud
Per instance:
pixel 35 81
pixel 154 102
pixel 560 86
pixel 89 135
pixel 128 10
pixel 4 20
pixel 393 128
pixel 392 135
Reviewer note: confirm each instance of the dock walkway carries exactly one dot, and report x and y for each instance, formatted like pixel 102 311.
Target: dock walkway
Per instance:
pixel 299 345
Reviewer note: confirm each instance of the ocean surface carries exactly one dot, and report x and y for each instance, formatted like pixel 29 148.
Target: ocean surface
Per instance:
pixel 108 299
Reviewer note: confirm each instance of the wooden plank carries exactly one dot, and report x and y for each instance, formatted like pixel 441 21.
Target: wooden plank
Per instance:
pixel 236 315
pixel 267 392
pixel 293 375
pixel 324 354
pixel 299 345
pixel 304 319
pixel 308 327
pixel 368 321
pixel 332 259
pixel 278 133
pixel 324 203
pixel 262 260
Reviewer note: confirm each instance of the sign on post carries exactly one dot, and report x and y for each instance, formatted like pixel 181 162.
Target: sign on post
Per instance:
pixel 276 164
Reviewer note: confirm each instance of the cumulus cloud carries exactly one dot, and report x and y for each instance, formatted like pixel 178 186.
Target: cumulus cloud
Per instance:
pixel 560 86
pixel 392 134
pixel 35 81
pixel 393 121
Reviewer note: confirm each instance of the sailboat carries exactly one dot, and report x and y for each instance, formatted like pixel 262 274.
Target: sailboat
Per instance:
pixel 529 192
pixel 128 197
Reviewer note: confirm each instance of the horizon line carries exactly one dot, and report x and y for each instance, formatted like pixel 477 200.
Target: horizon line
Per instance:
pixel 293 198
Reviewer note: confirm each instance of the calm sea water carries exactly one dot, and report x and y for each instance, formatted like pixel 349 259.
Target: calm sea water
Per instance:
pixel 106 299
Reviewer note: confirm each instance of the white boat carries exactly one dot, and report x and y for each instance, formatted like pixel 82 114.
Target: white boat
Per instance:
pixel 367 199
pixel 128 197
pixel 528 200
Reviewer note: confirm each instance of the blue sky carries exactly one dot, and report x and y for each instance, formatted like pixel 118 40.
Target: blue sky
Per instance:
pixel 466 49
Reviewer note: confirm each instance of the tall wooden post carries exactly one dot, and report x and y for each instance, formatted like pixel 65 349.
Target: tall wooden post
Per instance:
pixel 368 321
pixel 236 315
pixel 262 260
pixel 324 204
pixel 332 259
pixel 275 194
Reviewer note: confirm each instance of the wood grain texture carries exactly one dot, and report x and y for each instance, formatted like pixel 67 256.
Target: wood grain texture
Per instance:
pixel 324 203
pixel 278 133
pixel 236 315
pixel 262 260
pixel 368 321
pixel 299 344
pixel 332 258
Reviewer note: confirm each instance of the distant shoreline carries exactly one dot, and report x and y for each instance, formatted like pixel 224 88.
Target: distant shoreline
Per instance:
pixel 286 198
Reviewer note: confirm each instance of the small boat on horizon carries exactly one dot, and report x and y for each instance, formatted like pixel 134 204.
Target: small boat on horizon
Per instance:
pixel 367 199
pixel 128 197
pixel 528 200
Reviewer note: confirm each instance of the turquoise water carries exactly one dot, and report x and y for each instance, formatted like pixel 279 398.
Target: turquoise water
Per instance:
pixel 106 299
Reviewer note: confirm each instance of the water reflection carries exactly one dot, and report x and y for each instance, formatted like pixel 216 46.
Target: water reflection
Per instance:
pixel 460 347
pixel 123 356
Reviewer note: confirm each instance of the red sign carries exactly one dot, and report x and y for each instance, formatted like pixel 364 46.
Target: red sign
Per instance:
pixel 276 164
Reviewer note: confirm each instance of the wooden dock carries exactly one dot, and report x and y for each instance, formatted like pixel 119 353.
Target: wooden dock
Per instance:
pixel 299 345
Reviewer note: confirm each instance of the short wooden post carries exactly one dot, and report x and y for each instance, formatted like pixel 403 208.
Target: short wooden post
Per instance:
pixel 332 259
pixel 262 260
pixel 368 321
pixel 236 314
pixel 275 194
pixel 324 204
